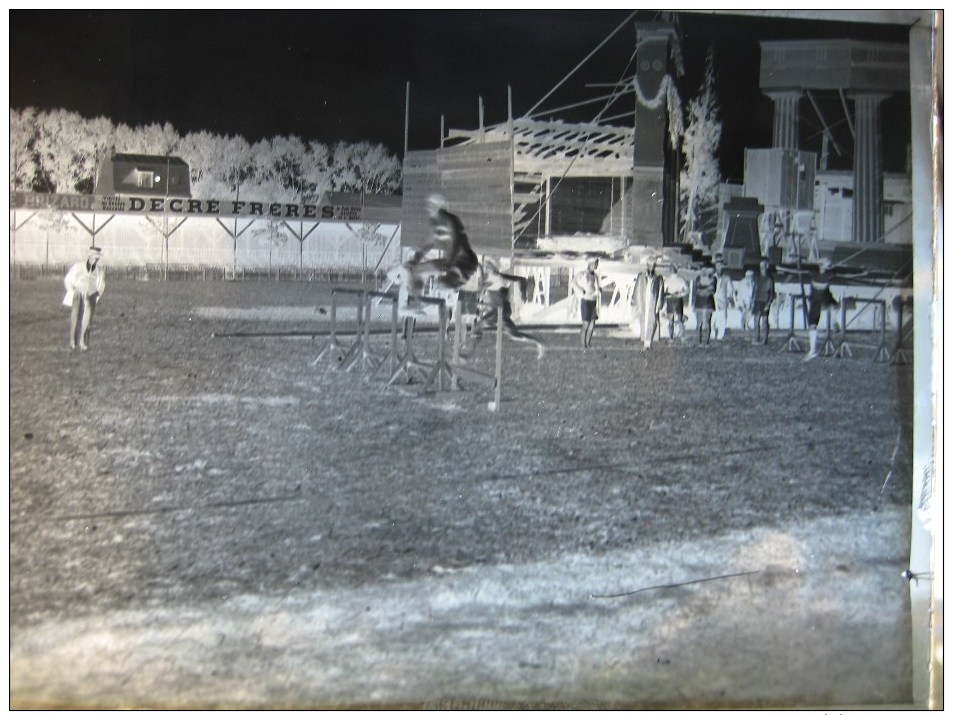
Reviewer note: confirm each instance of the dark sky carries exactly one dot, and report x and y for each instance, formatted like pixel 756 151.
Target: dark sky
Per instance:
pixel 341 75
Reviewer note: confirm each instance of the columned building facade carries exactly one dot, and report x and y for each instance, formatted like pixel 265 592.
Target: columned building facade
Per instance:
pixel 865 73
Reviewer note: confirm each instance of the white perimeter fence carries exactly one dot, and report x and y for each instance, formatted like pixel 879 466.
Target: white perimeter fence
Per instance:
pixel 45 241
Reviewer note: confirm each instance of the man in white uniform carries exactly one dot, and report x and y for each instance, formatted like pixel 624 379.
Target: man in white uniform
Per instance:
pixel 85 284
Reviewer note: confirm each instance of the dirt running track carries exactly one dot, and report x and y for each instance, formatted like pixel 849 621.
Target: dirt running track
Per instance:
pixel 201 521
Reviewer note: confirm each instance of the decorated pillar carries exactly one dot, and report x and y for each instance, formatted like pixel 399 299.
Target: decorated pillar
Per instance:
pixel 786 118
pixel 868 168
pixel 654 193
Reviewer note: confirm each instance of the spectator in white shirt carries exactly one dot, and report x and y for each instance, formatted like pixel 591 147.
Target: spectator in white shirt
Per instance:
pixel 85 284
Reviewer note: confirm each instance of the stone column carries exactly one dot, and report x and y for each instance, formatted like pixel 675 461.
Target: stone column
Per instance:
pixel 786 118
pixel 868 168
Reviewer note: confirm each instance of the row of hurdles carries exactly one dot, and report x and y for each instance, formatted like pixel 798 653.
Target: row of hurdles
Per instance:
pixel 351 350
pixel 841 347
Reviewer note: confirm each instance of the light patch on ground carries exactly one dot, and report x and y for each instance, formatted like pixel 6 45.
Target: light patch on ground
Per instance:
pixel 278 312
pixel 288 313
pixel 219 398
pixel 565 630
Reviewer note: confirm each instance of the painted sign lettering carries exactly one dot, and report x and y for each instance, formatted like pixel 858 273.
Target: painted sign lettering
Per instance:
pixel 184 207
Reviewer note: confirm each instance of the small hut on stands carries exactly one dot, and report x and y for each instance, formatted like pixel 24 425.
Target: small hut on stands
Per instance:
pixel 143 175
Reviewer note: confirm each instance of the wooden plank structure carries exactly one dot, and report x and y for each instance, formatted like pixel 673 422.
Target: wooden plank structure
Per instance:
pixel 522 180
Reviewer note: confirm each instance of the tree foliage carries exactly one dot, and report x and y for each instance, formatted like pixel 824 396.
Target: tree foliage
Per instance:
pixel 700 176
pixel 60 152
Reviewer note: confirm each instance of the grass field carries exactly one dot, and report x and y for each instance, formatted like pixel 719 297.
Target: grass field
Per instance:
pixel 206 521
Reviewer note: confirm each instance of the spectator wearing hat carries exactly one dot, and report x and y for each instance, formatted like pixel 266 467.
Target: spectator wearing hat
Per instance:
pixel 724 298
pixel 589 288
pixel 763 295
pixel 85 284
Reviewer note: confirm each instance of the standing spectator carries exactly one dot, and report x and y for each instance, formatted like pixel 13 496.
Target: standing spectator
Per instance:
pixel 724 298
pixel 743 298
pixel 704 303
pixel 676 289
pixel 821 299
pixel 652 300
pixel 762 297
pixel 85 284
pixel 590 290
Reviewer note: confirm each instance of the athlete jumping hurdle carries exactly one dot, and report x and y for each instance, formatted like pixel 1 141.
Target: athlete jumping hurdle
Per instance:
pixel 496 292
pixel 457 263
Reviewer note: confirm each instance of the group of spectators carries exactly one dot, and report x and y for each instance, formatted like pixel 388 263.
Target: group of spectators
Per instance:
pixel 712 293
pixel 715 293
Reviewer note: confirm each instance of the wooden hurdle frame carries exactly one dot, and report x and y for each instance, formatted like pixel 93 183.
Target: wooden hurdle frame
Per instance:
pixel 881 354
pixel 462 369
pixel 842 348
pixel 440 369
pixel 333 346
pixel 791 342
pixel 443 374
pixel 368 360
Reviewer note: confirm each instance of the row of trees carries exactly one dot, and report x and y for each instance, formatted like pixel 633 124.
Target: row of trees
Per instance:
pixel 59 152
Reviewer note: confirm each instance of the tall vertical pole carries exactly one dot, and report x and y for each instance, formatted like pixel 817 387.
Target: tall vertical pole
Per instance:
pixel 498 390
pixel 482 130
pixel 509 132
pixel 406 118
